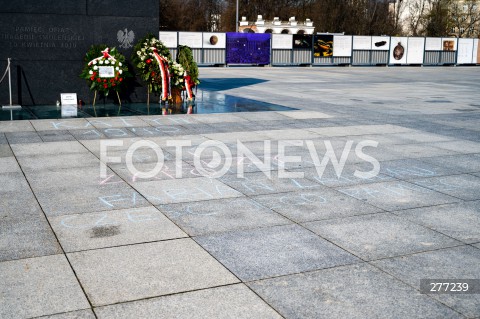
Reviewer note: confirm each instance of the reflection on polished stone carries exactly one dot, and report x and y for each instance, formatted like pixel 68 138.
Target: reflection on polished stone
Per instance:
pixel 205 102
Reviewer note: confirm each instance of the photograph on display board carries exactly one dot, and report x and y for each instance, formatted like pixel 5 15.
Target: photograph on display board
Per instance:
pixel 398 51
pixel 214 40
pixel 302 41
pixel 248 48
pixel 448 45
pixel 323 45
pixel 381 44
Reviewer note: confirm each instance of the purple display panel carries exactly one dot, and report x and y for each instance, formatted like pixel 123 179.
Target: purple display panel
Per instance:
pixel 248 48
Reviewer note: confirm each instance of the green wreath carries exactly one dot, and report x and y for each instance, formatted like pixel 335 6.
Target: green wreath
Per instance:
pixel 105 69
pixel 185 58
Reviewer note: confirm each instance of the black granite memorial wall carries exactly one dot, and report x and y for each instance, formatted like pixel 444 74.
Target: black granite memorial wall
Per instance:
pixel 48 39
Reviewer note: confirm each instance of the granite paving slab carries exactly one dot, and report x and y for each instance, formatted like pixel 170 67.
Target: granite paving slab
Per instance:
pixel 147 270
pixel 87 199
pixel 154 120
pixel 147 131
pixel 452 263
pixel 390 139
pixel 48 149
pixel 380 236
pixel 460 220
pixel 13 182
pixel 16 126
pixel 56 136
pixel 461 186
pixel 360 130
pixel 26 236
pixel 273 251
pixel 412 168
pixel 191 129
pixel 233 137
pixel 58 178
pixel 60 124
pixel 227 127
pixel 259 184
pixel 87 134
pixel 350 175
pixel 49 162
pixel 311 205
pixel 176 130
pixel 116 122
pixel 204 151
pixel 395 195
pixel 5 150
pixel 79 314
pixel 9 164
pixel 200 218
pixel 218 118
pixel 238 165
pixel 423 137
pixel 169 170
pixel 23 137
pixel 116 132
pixel 262 116
pixel 19 204
pixel 184 190
pixel 354 291
pixel 462 146
pixel 140 155
pixel 39 286
pixel 418 150
pixel 290 134
pixel 113 228
pixel 464 163
pixel 236 301
pixel 123 144
pixel 302 115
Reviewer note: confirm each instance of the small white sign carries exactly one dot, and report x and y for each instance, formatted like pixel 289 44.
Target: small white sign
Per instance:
pixel 69 104
pixel 168 38
pixel 416 48
pixel 433 44
pixel 282 41
pixel 68 98
pixel 342 45
pixel 362 43
pixel 106 71
pixel 190 39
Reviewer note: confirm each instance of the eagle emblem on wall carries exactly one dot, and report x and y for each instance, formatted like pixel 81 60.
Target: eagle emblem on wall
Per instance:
pixel 125 38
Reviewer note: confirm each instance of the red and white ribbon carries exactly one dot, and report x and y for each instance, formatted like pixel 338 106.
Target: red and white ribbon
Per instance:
pixel 165 73
pixel 188 85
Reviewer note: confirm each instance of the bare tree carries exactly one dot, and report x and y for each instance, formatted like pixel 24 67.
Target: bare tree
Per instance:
pixel 416 20
pixel 465 18
pixel 397 10
pixel 438 18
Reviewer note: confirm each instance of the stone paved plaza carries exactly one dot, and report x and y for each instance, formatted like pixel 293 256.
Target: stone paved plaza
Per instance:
pixel 74 244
